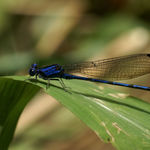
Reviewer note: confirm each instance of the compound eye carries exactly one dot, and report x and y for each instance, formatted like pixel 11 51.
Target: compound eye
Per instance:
pixel 32 72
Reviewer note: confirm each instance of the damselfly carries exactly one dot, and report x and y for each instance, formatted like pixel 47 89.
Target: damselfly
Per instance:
pixel 106 71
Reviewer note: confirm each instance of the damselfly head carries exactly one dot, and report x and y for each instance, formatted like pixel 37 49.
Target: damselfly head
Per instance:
pixel 34 65
pixel 33 70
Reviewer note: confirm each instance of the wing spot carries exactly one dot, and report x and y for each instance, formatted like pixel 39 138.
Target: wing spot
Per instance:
pixel 148 55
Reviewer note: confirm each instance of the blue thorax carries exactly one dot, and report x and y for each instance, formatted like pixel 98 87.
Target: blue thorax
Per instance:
pixel 51 71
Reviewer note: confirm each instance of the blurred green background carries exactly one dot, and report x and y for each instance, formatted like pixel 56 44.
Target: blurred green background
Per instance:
pixel 67 31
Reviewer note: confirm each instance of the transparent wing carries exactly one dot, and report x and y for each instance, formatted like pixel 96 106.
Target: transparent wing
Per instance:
pixel 118 68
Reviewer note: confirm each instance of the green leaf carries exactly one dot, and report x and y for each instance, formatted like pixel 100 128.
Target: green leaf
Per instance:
pixel 14 95
pixel 114 116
